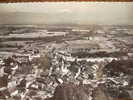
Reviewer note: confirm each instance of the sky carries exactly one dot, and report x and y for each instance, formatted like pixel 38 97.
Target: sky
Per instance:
pixel 86 13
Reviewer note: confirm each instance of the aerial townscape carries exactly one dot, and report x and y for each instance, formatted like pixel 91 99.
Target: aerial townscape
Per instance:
pixel 66 62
